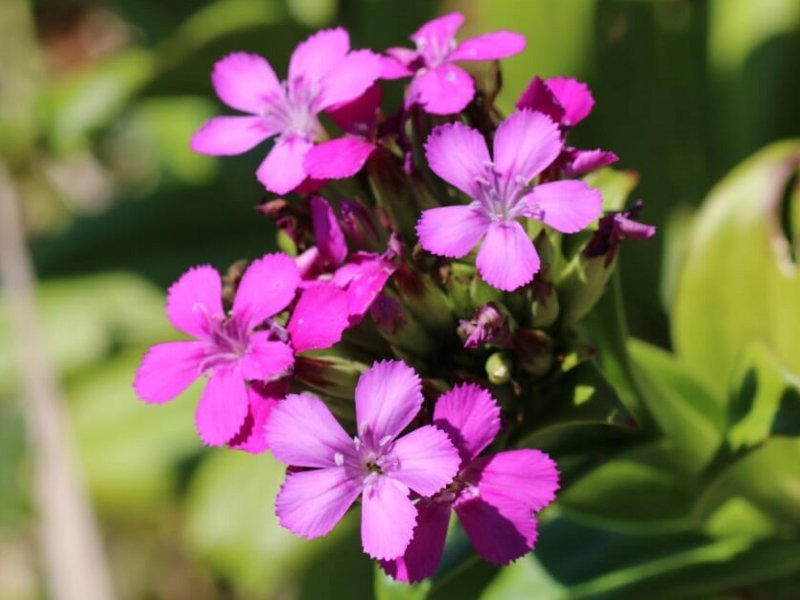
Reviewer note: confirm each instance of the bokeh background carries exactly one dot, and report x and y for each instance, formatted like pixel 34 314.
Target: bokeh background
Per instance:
pixel 98 99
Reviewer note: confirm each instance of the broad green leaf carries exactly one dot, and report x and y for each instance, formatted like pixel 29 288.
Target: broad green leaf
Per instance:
pixel 525 579
pixel 387 588
pixel 637 490
pixel 760 389
pixel 130 452
pixel 767 478
pixel 739 282
pixel 615 186
pixel 691 420
pixel 231 522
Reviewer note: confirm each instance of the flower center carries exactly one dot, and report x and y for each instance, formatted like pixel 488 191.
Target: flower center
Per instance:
pixel 499 194
pixel 435 51
pixel 295 113
pixel 228 342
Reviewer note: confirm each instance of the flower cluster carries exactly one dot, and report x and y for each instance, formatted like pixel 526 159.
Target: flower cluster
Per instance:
pixel 412 300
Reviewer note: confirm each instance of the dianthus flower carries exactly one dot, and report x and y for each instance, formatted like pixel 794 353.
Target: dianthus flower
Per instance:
pixel 230 348
pixel 568 102
pixel 494 496
pixel 438 85
pixel 323 73
pixel 524 145
pixel 377 464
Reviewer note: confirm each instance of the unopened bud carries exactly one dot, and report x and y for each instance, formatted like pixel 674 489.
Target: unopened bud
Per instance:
pixel 359 226
pixel 426 300
pixel 328 373
pixel 498 368
pixel 582 284
pixel 545 307
pixel 482 293
pixel 488 326
pixel 534 351
pixel 398 327
pixel 459 281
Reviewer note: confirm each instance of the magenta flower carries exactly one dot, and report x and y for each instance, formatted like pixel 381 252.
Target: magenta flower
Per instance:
pixel 378 465
pixel 568 102
pixel 323 73
pixel 524 145
pixel 231 349
pixel 438 85
pixel 361 274
pixel 494 496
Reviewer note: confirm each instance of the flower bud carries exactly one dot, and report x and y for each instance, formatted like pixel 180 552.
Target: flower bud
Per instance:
pixel 582 284
pixel 534 350
pixel 459 281
pixel 328 373
pixel 358 226
pixel 488 326
pixel 498 368
pixel 425 299
pixel 545 307
pixel 398 327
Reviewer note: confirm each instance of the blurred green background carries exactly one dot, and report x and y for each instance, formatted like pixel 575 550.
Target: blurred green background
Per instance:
pixel 98 100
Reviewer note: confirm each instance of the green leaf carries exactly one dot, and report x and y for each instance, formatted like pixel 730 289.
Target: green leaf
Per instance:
pixel 615 186
pixel 387 588
pixel 691 420
pixel 761 398
pixel 130 451
pixel 767 478
pixel 738 282
pixel 636 490
pixel 522 578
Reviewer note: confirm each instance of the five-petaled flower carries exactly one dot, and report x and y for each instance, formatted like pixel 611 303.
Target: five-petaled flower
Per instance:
pixel 233 349
pixel 494 496
pixel 438 85
pixel 524 145
pixel 323 73
pixel 377 464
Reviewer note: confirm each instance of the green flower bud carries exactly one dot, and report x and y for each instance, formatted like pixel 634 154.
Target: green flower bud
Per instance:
pixel 426 300
pixel 581 286
pixel 398 327
pixel 545 306
pixel 534 351
pixel 328 373
pixel 498 368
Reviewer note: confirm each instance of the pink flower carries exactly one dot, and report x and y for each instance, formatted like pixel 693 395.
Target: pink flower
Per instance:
pixel 323 73
pixel 494 496
pixel 378 464
pixel 232 350
pixel 361 274
pixel 345 156
pixel 568 102
pixel 438 85
pixel 524 145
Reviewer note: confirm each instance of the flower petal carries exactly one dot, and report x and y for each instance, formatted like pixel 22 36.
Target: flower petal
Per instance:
pixel 497 538
pixel 195 299
pixel 507 258
pixel 388 396
pixel 358 116
pixel 282 169
pixel 470 416
pixel 428 460
pixel 252 436
pixel 265 358
pixel 438 31
pixel 387 519
pixel 311 503
pixel 167 369
pixel 349 78
pixel 365 280
pixel 458 154
pixel 490 46
pixel 319 319
pixel 567 206
pixel 526 477
pixel 443 90
pixel 537 96
pixel 525 144
pixel 317 55
pixel 245 82
pixel 267 287
pixel 423 554
pixel 574 96
pixel 302 432
pixel 327 231
pixel 227 136
pixel 583 161
pixel 338 159
pixel 223 407
pixel 452 231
